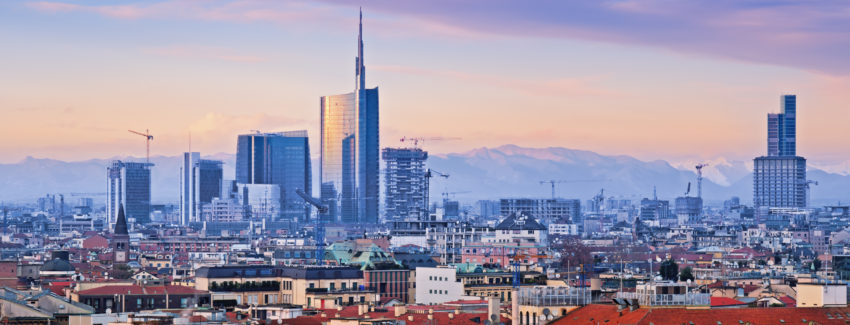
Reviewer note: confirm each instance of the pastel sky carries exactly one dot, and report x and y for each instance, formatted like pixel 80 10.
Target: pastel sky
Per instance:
pixel 655 79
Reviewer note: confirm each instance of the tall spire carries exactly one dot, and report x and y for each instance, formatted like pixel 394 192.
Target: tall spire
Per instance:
pixel 360 69
pixel 121 222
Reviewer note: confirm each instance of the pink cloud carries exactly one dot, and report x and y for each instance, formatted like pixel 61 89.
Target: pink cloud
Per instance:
pixel 551 87
pixel 204 52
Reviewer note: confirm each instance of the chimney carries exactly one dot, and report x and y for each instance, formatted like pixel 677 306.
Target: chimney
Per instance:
pixel 324 315
pixel 360 310
pixel 430 316
pixel 493 307
pixel 336 315
pixel 410 318
pixel 451 316
pixel 400 310
pixel 339 308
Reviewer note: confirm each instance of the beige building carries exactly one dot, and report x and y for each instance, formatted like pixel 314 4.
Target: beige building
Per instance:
pixel 309 286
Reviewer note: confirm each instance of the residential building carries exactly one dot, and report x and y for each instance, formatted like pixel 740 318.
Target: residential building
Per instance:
pixel 688 209
pixel 349 169
pixel 519 228
pixel 437 285
pixel 546 210
pixel 201 181
pixel 779 182
pixel 225 210
pixel 406 192
pixel 135 298
pixel 128 185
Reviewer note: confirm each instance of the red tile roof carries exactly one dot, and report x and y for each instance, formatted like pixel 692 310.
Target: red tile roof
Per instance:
pixel 418 318
pixel 608 314
pixel 725 301
pixel 788 301
pixel 139 290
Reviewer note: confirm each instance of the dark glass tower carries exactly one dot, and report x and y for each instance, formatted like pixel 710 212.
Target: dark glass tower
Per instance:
pixel 129 185
pixel 282 159
pixel 782 129
pixel 349 165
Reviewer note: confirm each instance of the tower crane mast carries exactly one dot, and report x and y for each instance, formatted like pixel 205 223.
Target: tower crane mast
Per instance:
pixel 148 138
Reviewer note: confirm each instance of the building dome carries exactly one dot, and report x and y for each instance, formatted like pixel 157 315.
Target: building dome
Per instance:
pixel 57 265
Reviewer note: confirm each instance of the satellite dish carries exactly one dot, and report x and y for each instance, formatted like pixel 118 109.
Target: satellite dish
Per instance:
pixel 546 311
pixel 486 322
pixel 542 317
pixel 550 317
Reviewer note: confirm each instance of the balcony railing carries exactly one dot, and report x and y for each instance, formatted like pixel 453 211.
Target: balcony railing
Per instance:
pixel 554 296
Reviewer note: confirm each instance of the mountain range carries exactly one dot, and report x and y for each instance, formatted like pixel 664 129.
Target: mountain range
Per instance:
pixel 484 173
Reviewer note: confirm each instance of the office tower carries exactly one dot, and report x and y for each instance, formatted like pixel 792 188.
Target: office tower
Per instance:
pixel 779 179
pixel 128 185
pixel 282 159
pixel 406 186
pixel 200 182
pixel 349 165
pixel 782 129
pixel 545 210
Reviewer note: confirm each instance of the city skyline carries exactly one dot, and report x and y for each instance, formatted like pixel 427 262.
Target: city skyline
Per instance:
pixel 611 110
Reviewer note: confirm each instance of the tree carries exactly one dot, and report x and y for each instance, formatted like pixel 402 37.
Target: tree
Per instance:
pixel 121 271
pixel 687 274
pixel 574 252
pixel 669 270
pixel 815 266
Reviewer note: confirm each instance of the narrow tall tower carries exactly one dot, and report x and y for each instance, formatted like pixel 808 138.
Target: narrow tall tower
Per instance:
pixel 350 155
pixel 360 68
pixel 120 239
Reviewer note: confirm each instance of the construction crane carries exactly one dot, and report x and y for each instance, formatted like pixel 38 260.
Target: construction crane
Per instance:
pixel 447 194
pixel 516 262
pixel 86 194
pixel 428 174
pixel 560 181
pixel 809 191
pixel 148 138
pixel 320 227
pixel 688 191
pixel 699 168
pixel 417 140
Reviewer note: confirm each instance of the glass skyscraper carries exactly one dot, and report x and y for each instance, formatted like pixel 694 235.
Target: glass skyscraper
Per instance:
pixel 281 159
pixel 779 179
pixel 128 184
pixel 349 164
pixel 782 129
pixel 201 180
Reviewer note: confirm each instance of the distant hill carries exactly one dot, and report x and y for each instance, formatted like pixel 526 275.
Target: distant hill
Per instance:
pixel 484 173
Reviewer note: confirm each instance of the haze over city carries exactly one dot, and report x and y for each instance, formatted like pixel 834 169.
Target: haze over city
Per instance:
pixel 212 162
